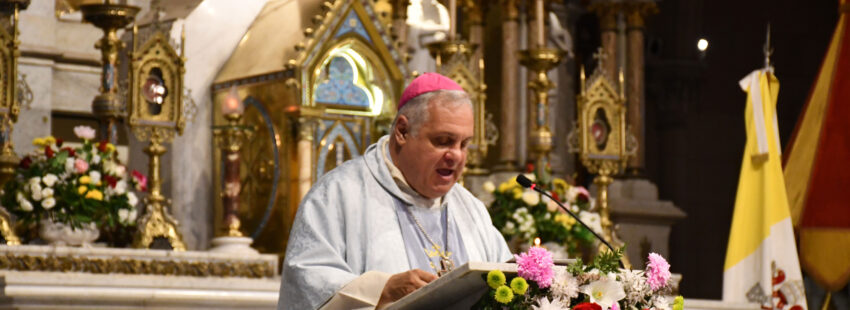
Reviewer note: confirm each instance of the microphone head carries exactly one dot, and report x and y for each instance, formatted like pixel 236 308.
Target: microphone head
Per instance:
pixel 522 180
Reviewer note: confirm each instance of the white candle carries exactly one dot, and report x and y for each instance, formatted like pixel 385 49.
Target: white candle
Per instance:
pixel 540 36
pixel 232 104
pixel 453 19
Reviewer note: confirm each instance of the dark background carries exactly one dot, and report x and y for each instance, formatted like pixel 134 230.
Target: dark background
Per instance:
pixel 695 110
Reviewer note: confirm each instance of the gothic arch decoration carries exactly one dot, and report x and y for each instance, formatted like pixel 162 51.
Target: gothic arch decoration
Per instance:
pixel 329 96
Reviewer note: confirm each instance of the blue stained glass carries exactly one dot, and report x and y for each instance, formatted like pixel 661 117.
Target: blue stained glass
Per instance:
pixel 351 23
pixel 339 88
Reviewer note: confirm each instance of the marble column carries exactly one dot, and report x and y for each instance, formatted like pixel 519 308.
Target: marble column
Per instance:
pixel 608 13
pixel 635 13
pixel 399 26
pixel 509 90
pixel 475 19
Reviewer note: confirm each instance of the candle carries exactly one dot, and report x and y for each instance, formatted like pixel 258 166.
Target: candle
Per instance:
pixel 232 104
pixel 540 37
pixel 452 19
pixel 537 241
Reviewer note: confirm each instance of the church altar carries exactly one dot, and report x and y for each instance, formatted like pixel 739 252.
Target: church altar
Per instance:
pixel 39 277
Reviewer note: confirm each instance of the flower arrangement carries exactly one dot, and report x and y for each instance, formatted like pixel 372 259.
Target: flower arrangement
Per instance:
pixel 598 286
pixel 74 186
pixel 523 214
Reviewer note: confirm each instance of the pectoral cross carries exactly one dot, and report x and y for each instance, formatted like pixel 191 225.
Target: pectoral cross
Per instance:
pixel 446 265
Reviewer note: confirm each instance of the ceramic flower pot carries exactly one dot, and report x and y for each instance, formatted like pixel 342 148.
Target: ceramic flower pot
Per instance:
pixel 60 234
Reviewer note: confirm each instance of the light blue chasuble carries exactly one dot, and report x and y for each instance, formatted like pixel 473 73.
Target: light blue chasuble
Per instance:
pixel 438 235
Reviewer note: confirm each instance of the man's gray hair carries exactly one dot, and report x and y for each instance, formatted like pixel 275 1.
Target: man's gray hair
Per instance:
pixel 416 109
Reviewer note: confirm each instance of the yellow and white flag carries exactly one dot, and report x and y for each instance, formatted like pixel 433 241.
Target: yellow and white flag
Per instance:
pixel 761 258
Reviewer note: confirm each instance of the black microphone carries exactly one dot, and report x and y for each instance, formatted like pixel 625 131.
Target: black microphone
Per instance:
pixel 525 182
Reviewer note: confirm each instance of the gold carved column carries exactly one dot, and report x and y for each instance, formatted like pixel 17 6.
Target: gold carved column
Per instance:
pixel 636 12
pixel 475 19
pixel 509 91
pixel 608 11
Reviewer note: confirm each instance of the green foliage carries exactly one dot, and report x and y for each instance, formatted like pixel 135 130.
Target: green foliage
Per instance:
pixel 607 261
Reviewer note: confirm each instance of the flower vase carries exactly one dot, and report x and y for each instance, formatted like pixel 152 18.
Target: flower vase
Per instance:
pixel 61 234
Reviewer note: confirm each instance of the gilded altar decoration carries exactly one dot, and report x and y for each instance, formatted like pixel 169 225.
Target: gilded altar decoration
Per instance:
pixel 10 105
pixel 155 103
pixel 79 188
pixel 601 138
pixel 319 102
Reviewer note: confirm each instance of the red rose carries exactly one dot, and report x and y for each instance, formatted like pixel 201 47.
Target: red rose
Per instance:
pixel 555 195
pixel 59 142
pixel 102 146
pixel 529 167
pixel 587 306
pixel 71 152
pixel 48 151
pixel 110 180
pixel 26 162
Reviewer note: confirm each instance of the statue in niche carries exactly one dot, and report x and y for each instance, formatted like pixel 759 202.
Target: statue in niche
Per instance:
pixel 427 22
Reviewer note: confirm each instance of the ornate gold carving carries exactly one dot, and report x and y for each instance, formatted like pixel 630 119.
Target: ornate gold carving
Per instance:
pixel 136 266
pixel 540 61
pixel 636 12
pixel 510 9
pixel 6 228
pixel 156 114
pixel 601 137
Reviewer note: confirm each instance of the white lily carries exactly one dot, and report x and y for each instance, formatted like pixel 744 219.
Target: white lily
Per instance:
pixel 604 292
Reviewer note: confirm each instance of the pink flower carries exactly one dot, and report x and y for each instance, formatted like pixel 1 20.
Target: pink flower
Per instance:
pixel 81 166
pixel 583 193
pixel 536 265
pixel 141 181
pixel 84 132
pixel 657 271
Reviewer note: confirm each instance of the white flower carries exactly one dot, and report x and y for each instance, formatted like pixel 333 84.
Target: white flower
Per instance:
pixel 95 177
pixel 35 189
pixel 530 176
pixel 545 304
pixel 69 165
pixel 95 159
pixel 84 132
pixel 565 285
pixel 20 196
pixel 123 215
pixel 132 216
pixel 634 284
pixel 47 192
pixel 509 227
pixel 120 187
pixel 551 205
pixel 604 292
pixel 132 199
pixel 592 220
pixel 48 203
pixel 35 181
pixel 49 179
pixel 531 198
pixel 572 193
pixel 489 186
pixel 26 205
pixel 660 302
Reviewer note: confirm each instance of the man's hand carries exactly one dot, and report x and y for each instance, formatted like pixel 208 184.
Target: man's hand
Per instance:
pixel 401 284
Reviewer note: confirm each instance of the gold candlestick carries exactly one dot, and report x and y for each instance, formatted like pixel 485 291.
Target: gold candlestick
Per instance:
pixel 156 222
pixel 540 61
pixel 107 105
pixel 230 138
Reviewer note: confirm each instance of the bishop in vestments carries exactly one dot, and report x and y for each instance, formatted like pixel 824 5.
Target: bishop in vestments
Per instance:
pixel 380 226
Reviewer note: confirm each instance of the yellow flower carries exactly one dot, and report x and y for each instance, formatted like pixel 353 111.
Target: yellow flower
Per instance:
pixel 517 193
pixel 504 187
pixel 85 179
pixel 519 286
pixel 82 189
pixel 110 148
pixel 565 220
pixel 49 140
pixel 95 194
pixel 39 142
pixel 504 294
pixel 495 278
pixel 679 303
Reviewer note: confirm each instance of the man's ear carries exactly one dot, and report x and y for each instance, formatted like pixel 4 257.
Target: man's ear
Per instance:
pixel 402 129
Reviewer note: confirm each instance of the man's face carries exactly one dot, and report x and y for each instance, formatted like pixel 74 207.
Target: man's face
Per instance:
pixel 433 159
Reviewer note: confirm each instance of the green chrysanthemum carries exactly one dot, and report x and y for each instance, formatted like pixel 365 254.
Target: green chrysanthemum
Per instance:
pixel 519 286
pixel 495 278
pixel 504 294
pixel 679 303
